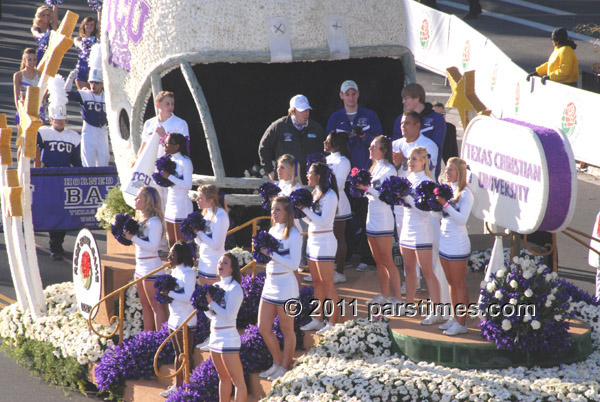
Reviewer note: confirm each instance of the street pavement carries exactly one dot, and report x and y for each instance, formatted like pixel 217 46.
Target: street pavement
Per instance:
pixel 518 27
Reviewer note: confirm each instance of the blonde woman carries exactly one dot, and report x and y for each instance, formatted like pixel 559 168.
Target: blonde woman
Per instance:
pixel 44 21
pixel 212 240
pixel 27 76
pixel 416 238
pixel 287 172
pixel 149 215
pixel 455 246
pixel 281 284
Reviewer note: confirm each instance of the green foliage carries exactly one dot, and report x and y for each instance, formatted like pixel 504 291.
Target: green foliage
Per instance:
pixel 113 204
pixel 41 358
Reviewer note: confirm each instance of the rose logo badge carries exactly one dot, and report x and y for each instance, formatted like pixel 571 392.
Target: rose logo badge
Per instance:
pixel 424 34
pixel 466 54
pixel 86 266
pixel 517 98
pixel 569 119
pixel 494 77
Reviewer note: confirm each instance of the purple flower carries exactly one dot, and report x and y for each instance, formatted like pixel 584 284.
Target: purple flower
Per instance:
pixel 252 287
pixel 164 282
pixel 124 222
pixel 194 221
pixel 263 240
pixel 267 191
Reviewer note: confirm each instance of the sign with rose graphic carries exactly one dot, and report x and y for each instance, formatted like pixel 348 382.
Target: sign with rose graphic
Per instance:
pixel 569 119
pixel 87 272
pixel 466 55
pixel 424 34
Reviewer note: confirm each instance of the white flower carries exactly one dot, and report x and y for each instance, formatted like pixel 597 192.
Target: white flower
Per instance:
pixel 535 324
pixel 498 294
pixel 558 317
pixel 491 286
pixel 528 293
pixel 513 301
pixel 500 273
pixel 514 284
pixel 548 277
pixel 506 325
pixel 527 317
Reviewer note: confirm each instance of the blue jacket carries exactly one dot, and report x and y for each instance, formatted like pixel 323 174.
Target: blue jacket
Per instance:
pixel 358 146
pixel 433 126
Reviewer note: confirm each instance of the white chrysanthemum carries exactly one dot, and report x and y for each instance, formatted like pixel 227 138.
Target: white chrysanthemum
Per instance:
pixel 491 286
pixel 514 284
pixel 528 293
pixel 535 324
pixel 506 325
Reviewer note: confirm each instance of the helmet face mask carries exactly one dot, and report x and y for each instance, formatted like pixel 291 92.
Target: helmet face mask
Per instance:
pixel 151 45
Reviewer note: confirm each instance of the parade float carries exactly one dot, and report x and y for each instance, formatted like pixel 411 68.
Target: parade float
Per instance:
pixel 233 67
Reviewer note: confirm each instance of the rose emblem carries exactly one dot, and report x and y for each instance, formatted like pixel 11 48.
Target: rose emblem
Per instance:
pixel 494 76
pixel 517 98
pixel 569 119
pixel 424 34
pixel 86 267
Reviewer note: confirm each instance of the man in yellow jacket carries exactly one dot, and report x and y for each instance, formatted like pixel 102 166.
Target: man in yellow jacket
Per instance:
pixel 562 65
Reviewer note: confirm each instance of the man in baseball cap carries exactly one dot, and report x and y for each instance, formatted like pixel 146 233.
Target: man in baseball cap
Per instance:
pixel 293 134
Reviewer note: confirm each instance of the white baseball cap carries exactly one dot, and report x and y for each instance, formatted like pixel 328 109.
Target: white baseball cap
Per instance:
pixel 300 103
pixel 349 84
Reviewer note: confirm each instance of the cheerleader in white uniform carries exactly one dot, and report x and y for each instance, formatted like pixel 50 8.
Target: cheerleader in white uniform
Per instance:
pixel 322 245
pixel 455 246
pixel 179 205
pixel 225 341
pixel 181 261
pixel 212 240
pixel 416 237
pixel 150 217
pixel 281 284
pixel 380 222
pixel 287 172
pixel 338 161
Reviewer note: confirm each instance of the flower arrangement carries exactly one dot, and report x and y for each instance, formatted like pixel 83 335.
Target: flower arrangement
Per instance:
pixel 252 287
pixel 393 189
pixel 194 221
pixel 244 256
pixel 198 298
pixel 267 191
pixel 358 176
pixel 539 305
pixel 162 283
pixel 479 260
pixel 301 198
pixel 263 240
pixel 164 164
pixel 124 223
pixel 258 172
pixel 113 204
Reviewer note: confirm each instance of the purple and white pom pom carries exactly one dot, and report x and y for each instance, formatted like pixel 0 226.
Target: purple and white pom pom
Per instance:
pixel 194 221
pixel 95 5
pixel 267 191
pixel 54 2
pixel 263 240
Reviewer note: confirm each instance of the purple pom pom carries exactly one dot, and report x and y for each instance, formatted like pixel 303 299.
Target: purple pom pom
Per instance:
pixel 358 176
pixel 164 282
pixel 425 198
pixel 263 240
pixel 301 198
pixel 267 191
pixel 164 164
pixel 95 5
pixel 393 189
pixel 314 158
pixel 54 2
pixel 198 298
pixel 194 221
pixel 123 222
pixel 444 191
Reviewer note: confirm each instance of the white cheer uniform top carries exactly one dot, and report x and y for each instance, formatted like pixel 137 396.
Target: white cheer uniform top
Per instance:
pixel 287 257
pixel 178 203
pixel 401 145
pixel 173 125
pixel 322 217
pixel 234 295
pixel 212 240
pixel 287 188
pixel 148 238
pixel 416 225
pixel 455 224
pixel 340 165
pixel 181 306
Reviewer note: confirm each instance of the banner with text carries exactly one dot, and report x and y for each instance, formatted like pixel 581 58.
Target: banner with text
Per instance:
pixel 67 198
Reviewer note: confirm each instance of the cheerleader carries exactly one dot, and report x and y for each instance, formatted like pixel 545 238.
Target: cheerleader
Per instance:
pixel 211 240
pixel 27 76
pixel 181 261
pixel 88 32
pixel 416 238
pixel 338 160
pixel 380 222
pixel 281 284
pixel 149 214
pixel 287 172
pixel 455 246
pixel 224 337
pixel 45 20
pixel 178 202
pixel 322 245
